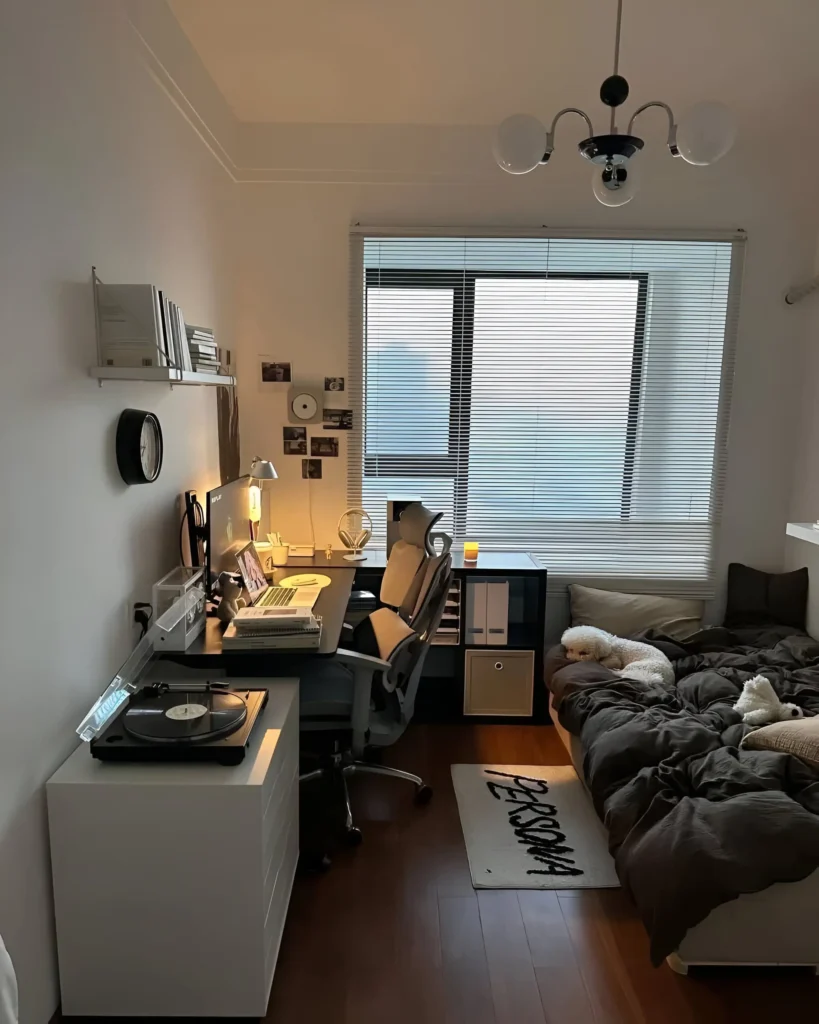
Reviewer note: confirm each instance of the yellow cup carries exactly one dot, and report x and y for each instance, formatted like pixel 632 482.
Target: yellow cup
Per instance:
pixel 470 551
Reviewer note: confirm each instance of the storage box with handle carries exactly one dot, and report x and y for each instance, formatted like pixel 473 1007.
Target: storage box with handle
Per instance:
pixel 499 682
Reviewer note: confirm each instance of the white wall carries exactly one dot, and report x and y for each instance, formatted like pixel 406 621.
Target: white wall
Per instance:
pixel 804 503
pixel 293 253
pixel 97 167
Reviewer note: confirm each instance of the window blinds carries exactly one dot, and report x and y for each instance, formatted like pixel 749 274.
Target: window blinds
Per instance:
pixel 567 396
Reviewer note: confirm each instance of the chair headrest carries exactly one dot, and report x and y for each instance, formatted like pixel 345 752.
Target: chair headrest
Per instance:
pixel 415 526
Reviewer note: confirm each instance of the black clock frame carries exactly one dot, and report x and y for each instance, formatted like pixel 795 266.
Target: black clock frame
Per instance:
pixel 129 446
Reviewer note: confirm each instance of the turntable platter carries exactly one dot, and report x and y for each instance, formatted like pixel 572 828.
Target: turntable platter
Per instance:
pixel 183 717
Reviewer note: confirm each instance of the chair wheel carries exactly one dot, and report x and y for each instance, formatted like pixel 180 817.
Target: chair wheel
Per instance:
pixel 353 836
pixel 314 863
pixel 423 795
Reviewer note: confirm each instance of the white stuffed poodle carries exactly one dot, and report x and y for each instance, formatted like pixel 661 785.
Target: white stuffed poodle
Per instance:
pixel 627 658
pixel 759 705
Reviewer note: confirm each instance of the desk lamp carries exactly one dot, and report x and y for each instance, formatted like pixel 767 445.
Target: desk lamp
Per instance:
pixel 261 470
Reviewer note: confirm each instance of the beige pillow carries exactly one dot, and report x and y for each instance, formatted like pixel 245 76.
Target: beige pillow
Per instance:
pixel 626 614
pixel 799 736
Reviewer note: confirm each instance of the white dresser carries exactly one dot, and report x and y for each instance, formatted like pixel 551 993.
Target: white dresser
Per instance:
pixel 171 882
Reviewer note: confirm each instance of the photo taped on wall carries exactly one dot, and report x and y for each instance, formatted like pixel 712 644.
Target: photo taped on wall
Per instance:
pixel 338 419
pixel 326 447
pixel 275 373
pixel 295 440
pixel 311 469
pixel 333 383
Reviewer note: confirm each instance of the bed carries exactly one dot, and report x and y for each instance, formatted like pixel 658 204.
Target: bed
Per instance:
pixel 717 845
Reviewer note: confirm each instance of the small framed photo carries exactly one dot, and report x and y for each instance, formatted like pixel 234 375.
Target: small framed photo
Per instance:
pixel 326 447
pixel 311 469
pixel 333 383
pixel 295 440
pixel 338 419
pixel 273 373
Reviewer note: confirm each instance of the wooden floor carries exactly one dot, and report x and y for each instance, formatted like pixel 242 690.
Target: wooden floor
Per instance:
pixel 395 934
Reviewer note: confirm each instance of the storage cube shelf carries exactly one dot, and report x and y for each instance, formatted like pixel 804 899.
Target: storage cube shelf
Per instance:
pixel 449 631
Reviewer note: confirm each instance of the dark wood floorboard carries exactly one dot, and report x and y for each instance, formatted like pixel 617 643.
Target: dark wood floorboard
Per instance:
pixel 515 992
pixel 394 933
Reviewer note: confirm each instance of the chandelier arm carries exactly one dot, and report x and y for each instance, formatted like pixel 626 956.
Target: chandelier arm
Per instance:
pixel 550 134
pixel 672 127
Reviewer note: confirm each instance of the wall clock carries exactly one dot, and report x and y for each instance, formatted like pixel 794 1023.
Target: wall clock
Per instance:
pixel 139 446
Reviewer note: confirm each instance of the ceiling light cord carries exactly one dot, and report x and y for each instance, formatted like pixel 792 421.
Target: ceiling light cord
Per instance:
pixel 612 128
pixel 617 38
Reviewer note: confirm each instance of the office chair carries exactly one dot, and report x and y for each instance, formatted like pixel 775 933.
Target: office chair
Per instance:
pixel 372 691
pixel 404 571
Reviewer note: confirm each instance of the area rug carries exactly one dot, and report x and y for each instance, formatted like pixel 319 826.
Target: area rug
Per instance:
pixel 531 827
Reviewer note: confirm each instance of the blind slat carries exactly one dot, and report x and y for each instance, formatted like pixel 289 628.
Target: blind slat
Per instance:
pixel 564 396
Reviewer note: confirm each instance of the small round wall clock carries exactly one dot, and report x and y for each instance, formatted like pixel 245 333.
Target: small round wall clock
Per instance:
pixel 139 446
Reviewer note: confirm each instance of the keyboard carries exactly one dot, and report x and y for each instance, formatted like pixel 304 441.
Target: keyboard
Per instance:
pixel 276 597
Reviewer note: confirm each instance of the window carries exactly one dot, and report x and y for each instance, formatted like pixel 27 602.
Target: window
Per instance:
pixel 567 397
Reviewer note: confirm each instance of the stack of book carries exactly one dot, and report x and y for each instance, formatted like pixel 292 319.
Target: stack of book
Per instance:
pixel 140 326
pixel 276 628
pixel 203 350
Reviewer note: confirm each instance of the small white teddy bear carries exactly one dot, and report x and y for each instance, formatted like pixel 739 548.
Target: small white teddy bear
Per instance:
pixel 628 658
pixel 759 705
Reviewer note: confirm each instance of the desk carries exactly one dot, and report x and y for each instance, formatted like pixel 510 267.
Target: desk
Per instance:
pixel 441 694
pixel 206 651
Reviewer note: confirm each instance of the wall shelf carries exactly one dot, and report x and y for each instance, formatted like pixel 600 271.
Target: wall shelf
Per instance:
pixel 161 375
pixel 803 531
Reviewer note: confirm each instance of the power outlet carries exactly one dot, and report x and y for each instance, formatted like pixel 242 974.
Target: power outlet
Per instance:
pixel 142 615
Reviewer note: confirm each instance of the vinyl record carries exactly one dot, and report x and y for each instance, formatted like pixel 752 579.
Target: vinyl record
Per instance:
pixel 184 717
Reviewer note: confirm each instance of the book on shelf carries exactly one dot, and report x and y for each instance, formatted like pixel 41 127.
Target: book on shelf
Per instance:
pixel 206 333
pixel 167 330
pixel 206 368
pixel 130 325
pixel 183 341
pixel 176 348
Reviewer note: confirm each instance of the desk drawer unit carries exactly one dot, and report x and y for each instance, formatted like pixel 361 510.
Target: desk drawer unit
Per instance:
pixel 172 881
pixel 499 682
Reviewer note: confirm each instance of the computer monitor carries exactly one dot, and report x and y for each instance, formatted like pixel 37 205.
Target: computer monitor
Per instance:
pixel 227 526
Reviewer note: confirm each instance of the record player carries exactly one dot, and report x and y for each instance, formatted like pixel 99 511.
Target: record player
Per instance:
pixel 181 722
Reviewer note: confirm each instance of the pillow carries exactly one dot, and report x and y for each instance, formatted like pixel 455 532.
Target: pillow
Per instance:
pixel 799 737
pixel 757 598
pixel 627 614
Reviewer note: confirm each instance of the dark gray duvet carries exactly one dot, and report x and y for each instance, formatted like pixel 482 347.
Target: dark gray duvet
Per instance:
pixel 694 821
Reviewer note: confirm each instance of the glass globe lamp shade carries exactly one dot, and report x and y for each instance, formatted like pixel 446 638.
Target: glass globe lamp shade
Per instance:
pixel 520 142
pixel 705 133
pixel 618 186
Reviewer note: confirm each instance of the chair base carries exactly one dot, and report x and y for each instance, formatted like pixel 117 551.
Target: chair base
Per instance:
pixel 344 767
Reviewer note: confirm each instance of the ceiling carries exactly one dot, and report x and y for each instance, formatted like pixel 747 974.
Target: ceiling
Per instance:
pixel 475 61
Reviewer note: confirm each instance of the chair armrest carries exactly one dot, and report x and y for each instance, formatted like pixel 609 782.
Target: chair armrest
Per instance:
pixel 364 668
pixel 363 661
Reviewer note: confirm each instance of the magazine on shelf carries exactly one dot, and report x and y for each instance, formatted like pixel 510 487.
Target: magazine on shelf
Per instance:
pixel 130 325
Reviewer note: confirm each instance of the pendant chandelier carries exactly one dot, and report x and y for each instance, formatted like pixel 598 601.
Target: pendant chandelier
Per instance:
pixel 704 134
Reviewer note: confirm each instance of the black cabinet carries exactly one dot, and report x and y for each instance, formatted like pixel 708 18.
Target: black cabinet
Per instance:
pixel 454 686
